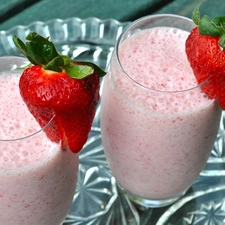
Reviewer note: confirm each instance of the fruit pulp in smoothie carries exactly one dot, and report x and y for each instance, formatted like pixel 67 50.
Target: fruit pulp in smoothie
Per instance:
pixel 156 137
pixel 38 178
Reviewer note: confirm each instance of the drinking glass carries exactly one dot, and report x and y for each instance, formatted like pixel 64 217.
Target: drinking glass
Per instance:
pixel 38 178
pixel 156 141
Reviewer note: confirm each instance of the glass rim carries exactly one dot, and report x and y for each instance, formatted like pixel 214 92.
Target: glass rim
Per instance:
pixel 42 129
pixel 133 80
pixel 39 130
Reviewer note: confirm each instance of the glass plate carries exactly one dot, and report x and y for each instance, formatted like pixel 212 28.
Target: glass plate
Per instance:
pixel 98 201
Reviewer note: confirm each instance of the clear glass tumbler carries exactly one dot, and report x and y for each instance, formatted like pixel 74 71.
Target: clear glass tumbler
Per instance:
pixel 38 178
pixel 158 126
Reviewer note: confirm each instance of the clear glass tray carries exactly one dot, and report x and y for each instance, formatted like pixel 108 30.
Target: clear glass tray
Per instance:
pixel 98 201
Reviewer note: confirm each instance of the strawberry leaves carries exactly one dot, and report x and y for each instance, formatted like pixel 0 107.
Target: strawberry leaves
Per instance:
pixel 208 27
pixel 37 49
pixel 41 51
pixel 55 64
pixel 52 87
pixel 205 47
pixel 79 71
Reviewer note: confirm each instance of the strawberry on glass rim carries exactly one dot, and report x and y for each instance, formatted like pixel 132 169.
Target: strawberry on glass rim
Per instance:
pixel 205 52
pixel 56 88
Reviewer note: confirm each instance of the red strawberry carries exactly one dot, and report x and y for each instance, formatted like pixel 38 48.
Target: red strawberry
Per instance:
pixel 205 52
pixel 56 87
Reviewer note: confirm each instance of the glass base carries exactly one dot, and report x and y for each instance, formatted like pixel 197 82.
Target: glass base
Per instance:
pixel 150 203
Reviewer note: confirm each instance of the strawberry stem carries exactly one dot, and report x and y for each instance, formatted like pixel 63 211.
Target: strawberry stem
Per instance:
pixel 208 27
pixel 41 51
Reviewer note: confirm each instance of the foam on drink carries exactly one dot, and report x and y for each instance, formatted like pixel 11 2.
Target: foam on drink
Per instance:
pixel 13 113
pixel 155 63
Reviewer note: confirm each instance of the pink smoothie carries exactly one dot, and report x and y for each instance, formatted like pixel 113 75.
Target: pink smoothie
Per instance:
pixel 156 142
pixel 38 178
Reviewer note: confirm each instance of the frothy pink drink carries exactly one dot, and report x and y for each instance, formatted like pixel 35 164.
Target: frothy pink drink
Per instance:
pixel 38 178
pixel 157 134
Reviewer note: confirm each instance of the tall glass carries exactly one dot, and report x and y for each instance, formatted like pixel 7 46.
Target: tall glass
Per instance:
pixel 158 127
pixel 38 178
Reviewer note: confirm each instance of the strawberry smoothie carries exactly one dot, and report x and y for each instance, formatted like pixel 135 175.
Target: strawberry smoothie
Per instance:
pixel 158 127
pixel 38 178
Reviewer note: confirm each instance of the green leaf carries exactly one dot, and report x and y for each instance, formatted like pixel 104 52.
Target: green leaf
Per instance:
pixel 66 60
pixel 55 64
pixel 97 69
pixel 40 49
pixel 79 71
pixel 25 67
pixel 206 27
pixel 219 21
pixel 20 45
pixel 196 15
pixel 222 41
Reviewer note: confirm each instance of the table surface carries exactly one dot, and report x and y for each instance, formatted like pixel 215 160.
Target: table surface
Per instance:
pixel 25 12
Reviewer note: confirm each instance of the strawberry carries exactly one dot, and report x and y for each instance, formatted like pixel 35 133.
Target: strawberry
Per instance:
pixel 55 87
pixel 205 52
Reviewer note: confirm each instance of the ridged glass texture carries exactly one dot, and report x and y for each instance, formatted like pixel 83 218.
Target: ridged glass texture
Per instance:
pixel 98 201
